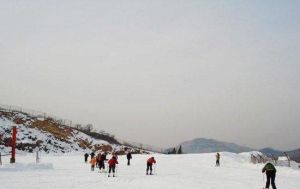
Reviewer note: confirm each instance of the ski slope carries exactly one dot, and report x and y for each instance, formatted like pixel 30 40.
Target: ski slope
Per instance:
pixel 172 171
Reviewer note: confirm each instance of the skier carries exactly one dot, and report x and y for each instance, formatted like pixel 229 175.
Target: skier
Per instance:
pixel 150 162
pixel 86 156
pixel 98 157
pixel 93 163
pixel 129 156
pixel 112 165
pixel 101 161
pixel 217 159
pixel 92 155
pixel 271 174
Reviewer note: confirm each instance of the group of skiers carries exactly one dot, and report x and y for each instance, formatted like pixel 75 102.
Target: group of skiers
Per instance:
pixel 100 159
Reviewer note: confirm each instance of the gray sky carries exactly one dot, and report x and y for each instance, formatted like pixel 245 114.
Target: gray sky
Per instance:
pixel 158 72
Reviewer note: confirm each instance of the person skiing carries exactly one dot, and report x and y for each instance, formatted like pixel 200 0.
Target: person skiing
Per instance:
pixel 129 156
pixel 271 174
pixel 217 159
pixel 92 155
pixel 112 165
pixel 98 157
pixel 93 163
pixel 150 162
pixel 86 156
pixel 101 160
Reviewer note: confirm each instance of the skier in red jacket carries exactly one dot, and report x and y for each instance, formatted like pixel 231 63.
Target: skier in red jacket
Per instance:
pixel 150 162
pixel 112 165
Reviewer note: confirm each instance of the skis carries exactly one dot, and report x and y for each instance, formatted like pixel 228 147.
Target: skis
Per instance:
pixel 149 174
pixel 112 176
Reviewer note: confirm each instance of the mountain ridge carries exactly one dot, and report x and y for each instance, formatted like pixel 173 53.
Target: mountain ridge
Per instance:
pixel 205 145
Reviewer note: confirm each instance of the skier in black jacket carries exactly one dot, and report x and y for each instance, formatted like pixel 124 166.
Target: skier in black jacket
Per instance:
pixel 129 156
pixel 271 174
pixel 86 156
pixel 92 155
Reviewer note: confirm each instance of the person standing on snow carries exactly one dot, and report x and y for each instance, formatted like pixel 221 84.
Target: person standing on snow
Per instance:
pixel 271 174
pixel 92 155
pixel 86 156
pixel 150 162
pixel 101 162
pixel 129 156
pixel 98 157
pixel 93 163
pixel 217 159
pixel 112 165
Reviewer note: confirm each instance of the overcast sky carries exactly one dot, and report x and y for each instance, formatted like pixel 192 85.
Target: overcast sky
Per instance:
pixel 158 72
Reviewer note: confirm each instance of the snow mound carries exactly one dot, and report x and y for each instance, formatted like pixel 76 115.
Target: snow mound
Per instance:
pixel 246 156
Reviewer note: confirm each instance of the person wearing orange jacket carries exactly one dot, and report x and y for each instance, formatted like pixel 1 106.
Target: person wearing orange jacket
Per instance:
pixel 112 165
pixel 150 162
pixel 93 163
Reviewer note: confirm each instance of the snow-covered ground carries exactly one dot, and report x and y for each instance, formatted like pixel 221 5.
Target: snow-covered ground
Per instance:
pixel 172 171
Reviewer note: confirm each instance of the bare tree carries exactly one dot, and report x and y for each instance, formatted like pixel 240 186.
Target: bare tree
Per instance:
pixel 78 126
pixel 88 127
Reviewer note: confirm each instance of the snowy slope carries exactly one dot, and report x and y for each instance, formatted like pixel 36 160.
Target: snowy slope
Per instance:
pixel 46 134
pixel 192 171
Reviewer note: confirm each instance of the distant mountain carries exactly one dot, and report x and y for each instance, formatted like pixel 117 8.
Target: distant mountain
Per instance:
pixel 270 151
pixel 294 155
pixel 203 145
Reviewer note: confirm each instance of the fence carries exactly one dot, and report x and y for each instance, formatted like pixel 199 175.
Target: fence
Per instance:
pixel 36 114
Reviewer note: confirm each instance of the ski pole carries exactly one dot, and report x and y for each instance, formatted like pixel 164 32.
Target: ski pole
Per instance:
pixel 106 170
pixel 263 179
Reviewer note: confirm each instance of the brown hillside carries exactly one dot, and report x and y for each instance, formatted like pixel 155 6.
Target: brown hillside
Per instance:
pixel 48 125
